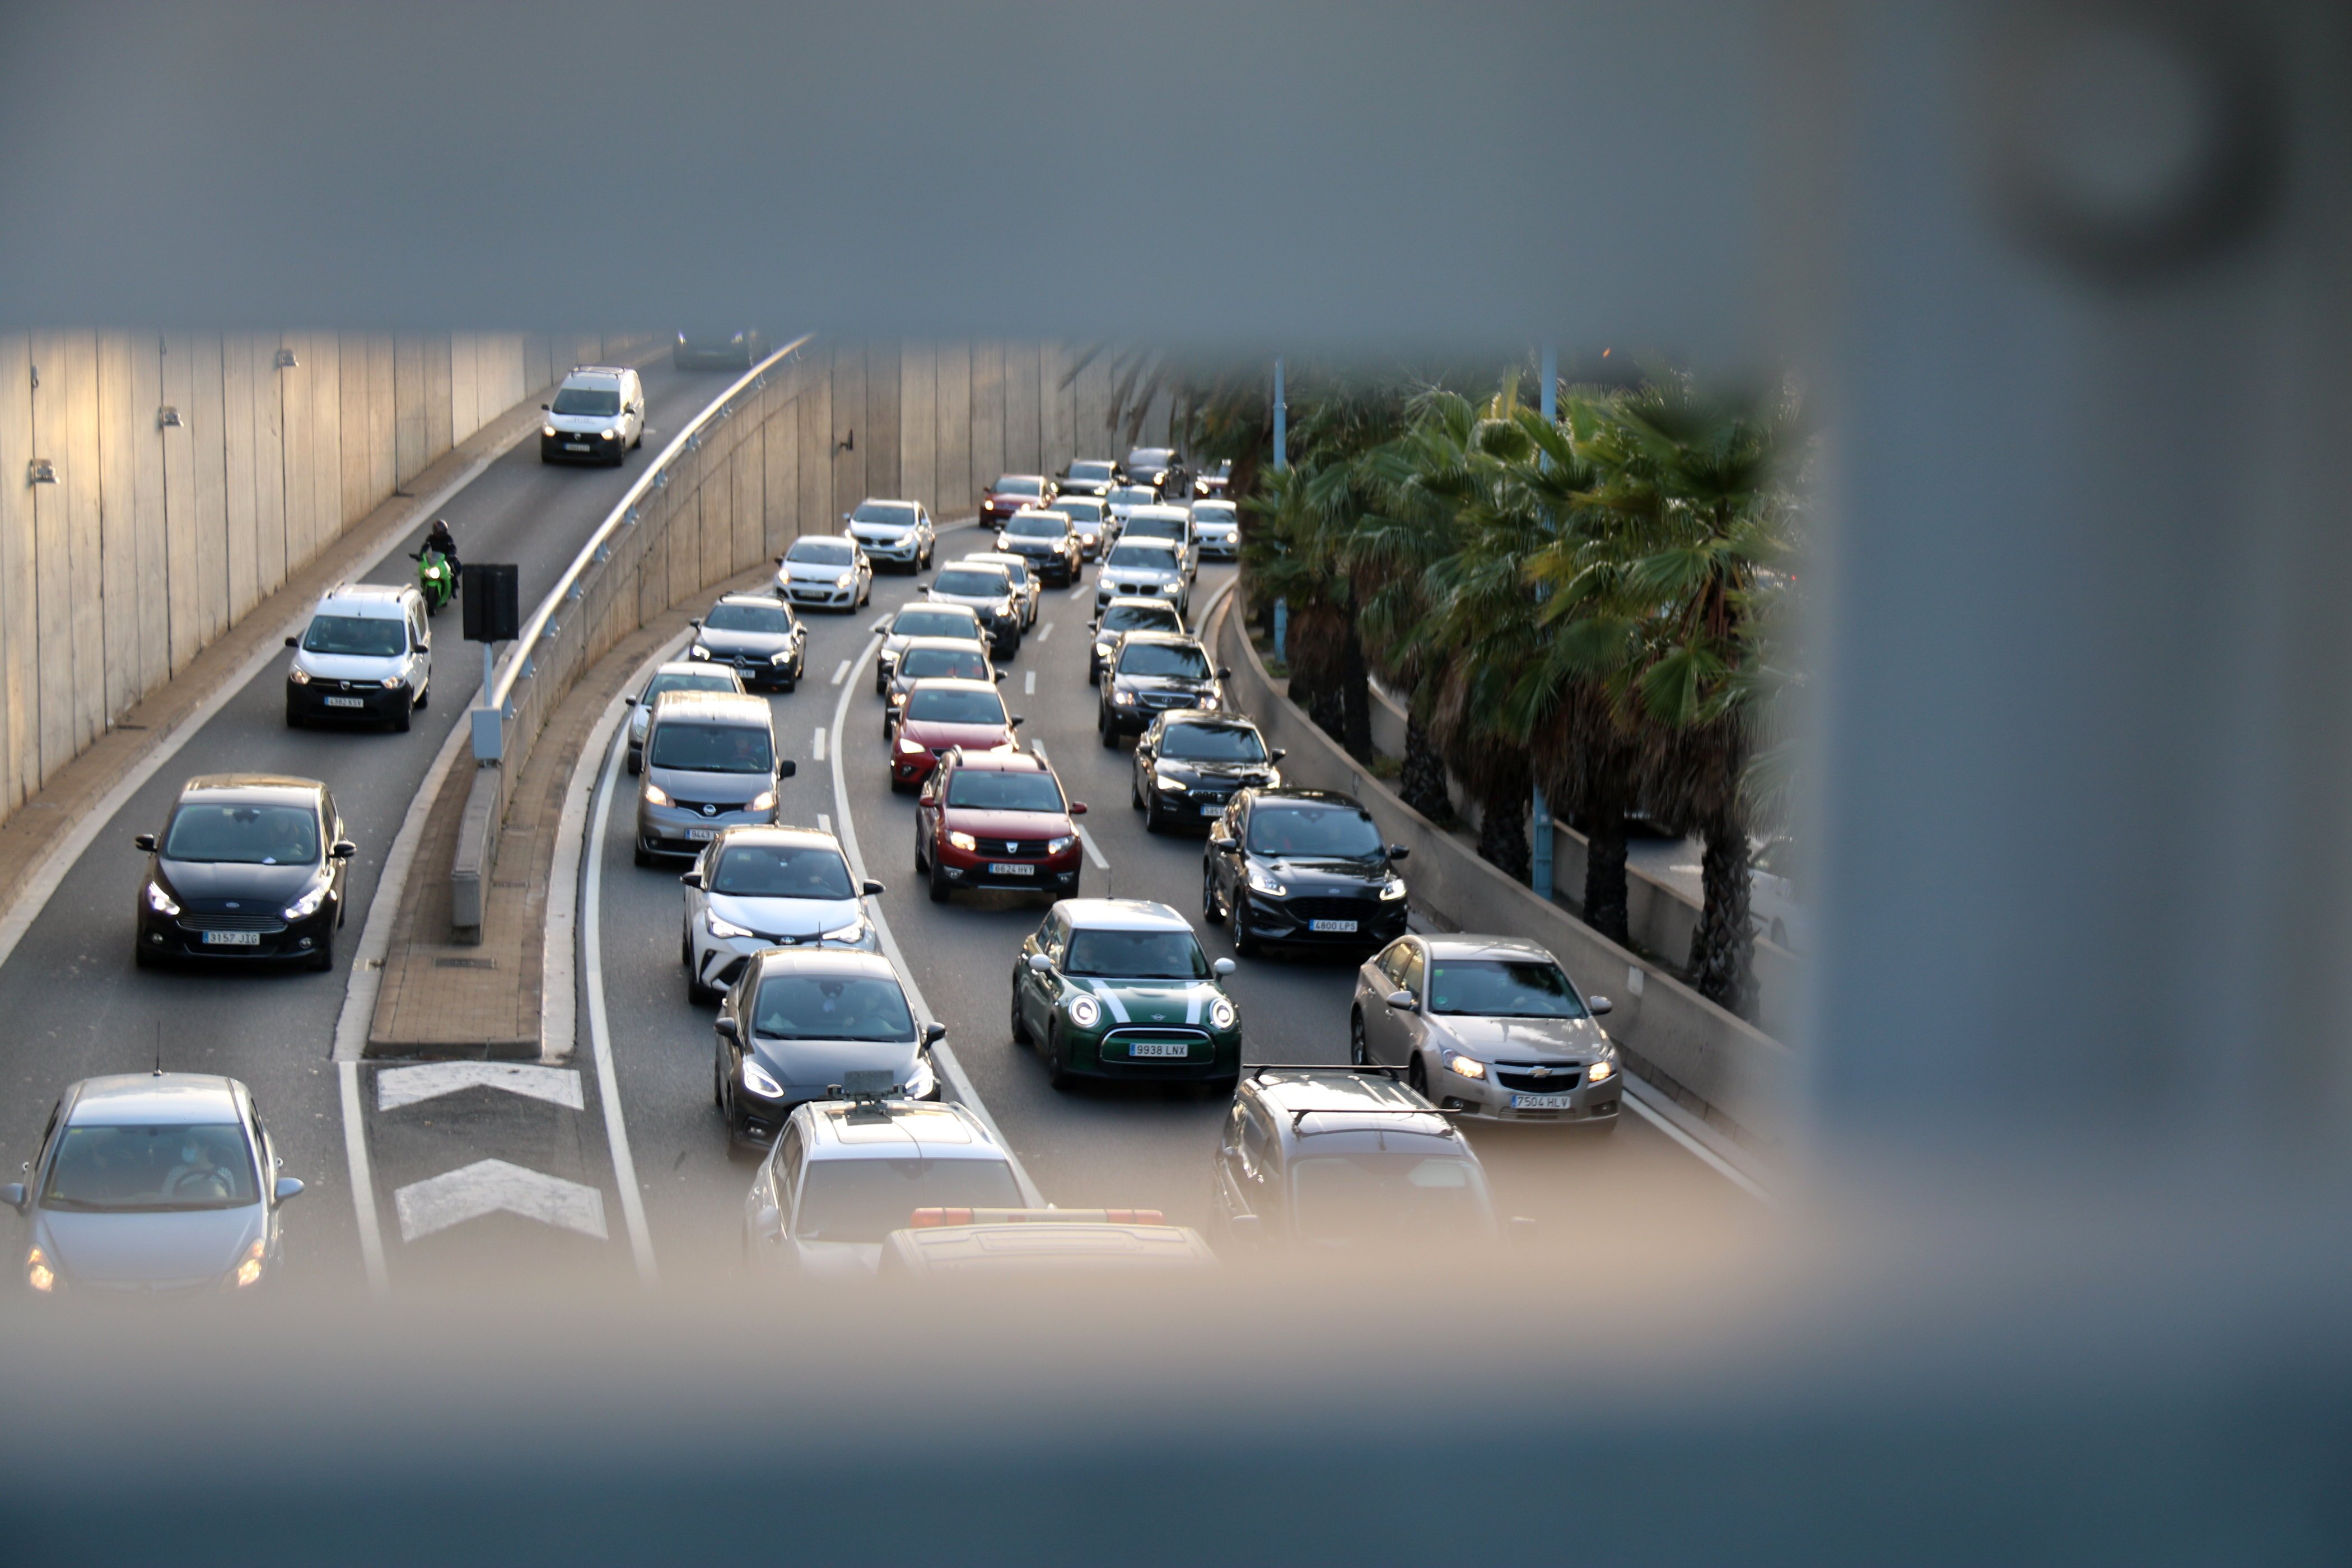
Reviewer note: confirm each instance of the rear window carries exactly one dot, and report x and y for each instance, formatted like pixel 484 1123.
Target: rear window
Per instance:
pixel 1350 1200
pixel 589 399
pixel 357 636
pixel 866 1200
pixel 1134 495
pixel 151 1169
pixel 1079 508
pixel 243 835
pixel 712 748
pixel 984 789
pixel 1156 527
pixel 832 1007
pixel 1093 473
pixel 783 871
pixel 949 706
pixel 661 683
pixel 748 618
pixel 970 583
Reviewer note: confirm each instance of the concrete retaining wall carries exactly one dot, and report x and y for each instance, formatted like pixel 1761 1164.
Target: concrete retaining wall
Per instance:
pixel 1718 1065
pixel 155 537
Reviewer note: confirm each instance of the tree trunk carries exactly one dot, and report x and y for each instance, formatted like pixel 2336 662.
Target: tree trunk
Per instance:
pixel 1723 945
pixel 1423 783
pixel 1606 908
pixel 1327 708
pixel 1355 697
pixel 1503 836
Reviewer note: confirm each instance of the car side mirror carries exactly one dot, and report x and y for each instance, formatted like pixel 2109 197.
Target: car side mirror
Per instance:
pixel 145 841
pixel 344 850
pixel 1016 721
pixel 845 517
pixel 1001 674
pixel 871 889
pixel 293 642
pixel 787 768
pixel 1078 808
pixel 1224 673
pixel 726 1027
pixel 769 1222
pixel 1398 852
pixel 934 1032
pixel 1221 839
pixel 1222 967
pixel 287 1187
pixel 780 561
pixel 15 1196
pixel 1596 1005
pixel 424 645
pixel 1276 755
pixel 695 624
pixel 1040 965
pixel 691 879
pixel 1401 1000
pixel 628 701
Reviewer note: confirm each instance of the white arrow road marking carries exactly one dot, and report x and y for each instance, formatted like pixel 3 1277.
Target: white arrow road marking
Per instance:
pixel 487 1186
pixel 841 674
pixel 396 1087
pixel 819 753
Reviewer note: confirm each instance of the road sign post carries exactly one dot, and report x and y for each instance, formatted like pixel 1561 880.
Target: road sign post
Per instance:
pixel 492 595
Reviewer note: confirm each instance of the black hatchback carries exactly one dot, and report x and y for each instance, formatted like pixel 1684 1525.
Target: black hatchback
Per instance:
pixel 249 866
pixel 1305 867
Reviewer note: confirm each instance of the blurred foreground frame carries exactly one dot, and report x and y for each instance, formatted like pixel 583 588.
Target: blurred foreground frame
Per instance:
pixel 2070 280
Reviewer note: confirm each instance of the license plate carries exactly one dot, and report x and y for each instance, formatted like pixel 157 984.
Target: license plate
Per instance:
pixel 232 939
pixel 701 835
pixel 346 701
pixel 575 446
pixel 1331 925
pixel 1004 868
pixel 1159 1048
pixel 1210 810
pixel 1541 1101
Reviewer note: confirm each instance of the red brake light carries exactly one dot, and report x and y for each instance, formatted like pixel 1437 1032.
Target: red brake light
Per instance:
pixel 931 1219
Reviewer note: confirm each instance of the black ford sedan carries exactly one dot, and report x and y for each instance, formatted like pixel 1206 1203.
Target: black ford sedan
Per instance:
pixel 1151 673
pixel 1302 867
pixel 249 866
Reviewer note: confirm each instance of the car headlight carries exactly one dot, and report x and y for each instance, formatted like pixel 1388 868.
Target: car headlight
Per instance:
pixel 37 1272
pixel 910 748
pixel 1003 608
pixel 1273 779
pixel 1467 1067
pixel 854 932
pixel 655 794
pixel 391 683
pixel 962 841
pixel 781 655
pixel 844 580
pixel 248 1268
pixel 161 902
pixel 547 431
pixel 719 928
pixel 1206 701
pixel 1393 889
pixel 1171 783
pixel 1085 1012
pixel 1601 1072
pixel 1102 650
pixel 1055 845
pixel 299 675
pixel 1124 699
pixel 1262 882
pixel 1170 587
pixel 1002 544
pixel 1222 1014
pixel 699 651
pixel 305 906
pixel 756 1079
pixel 763 801
pixel 923 1080
pixel 606 435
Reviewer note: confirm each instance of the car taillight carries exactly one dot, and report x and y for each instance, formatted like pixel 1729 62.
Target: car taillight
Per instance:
pixel 929 1219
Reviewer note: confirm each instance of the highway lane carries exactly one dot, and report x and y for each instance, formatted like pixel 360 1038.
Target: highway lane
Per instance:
pixel 1097 1145
pixel 75 1006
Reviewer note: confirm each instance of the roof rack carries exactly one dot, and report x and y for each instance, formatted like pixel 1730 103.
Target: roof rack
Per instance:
pixel 1254 1069
pixel 1298 1118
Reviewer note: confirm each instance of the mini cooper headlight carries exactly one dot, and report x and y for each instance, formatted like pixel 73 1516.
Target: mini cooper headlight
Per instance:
pixel 161 902
pixel 1393 889
pixel 308 904
pixel 1085 1012
pixel 763 801
pixel 1262 882
pixel 756 1079
pixel 722 929
pixel 1222 1014
pixel 1465 1065
pixel 962 841
pixel 655 795
pixel 1601 1072
pixel 299 675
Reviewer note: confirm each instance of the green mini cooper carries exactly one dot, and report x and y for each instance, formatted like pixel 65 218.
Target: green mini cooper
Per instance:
pixel 1119 988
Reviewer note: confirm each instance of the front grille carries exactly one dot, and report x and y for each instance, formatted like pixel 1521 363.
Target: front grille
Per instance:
pixel 1026 848
pixel 224 921
pixel 708 807
pixel 1168 698
pixel 1560 1081
pixel 1115 1044
pixel 1359 910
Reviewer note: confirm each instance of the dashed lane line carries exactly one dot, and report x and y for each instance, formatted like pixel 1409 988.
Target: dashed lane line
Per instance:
pixel 819 753
pixel 1029 684
pixel 1044 632
pixel 841 674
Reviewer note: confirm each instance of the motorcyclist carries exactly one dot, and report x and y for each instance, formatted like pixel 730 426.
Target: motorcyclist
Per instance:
pixel 444 544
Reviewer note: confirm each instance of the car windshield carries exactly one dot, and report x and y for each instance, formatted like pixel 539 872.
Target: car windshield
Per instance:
pixel 1148 457
pixel 1080 508
pixel 1502 988
pixel 783 871
pixel 1350 1200
pixel 1313 830
pixel 1093 473
pixel 1178 659
pixel 971 582
pixel 1156 527
pixel 949 706
pixel 1015 485
pixel 822 551
pixel 866 1200
pixel 748 618
pixel 713 682
pixel 151 1169
pixel 1038 527
pixel 832 1007
pixel 243 835
pixel 365 637
pixel 944 663
pixel 1211 743
pixel 1137 955
pixel 1140 617
pixel 1134 495
pixel 1017 571
pixel 587 400
pixel 985 789
pixel 889 513
pixel 713 748
pixel 940 623
pixel 1142 557
pixel 1217 513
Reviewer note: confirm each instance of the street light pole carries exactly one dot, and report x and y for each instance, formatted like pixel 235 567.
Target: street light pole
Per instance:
pixel 1539 809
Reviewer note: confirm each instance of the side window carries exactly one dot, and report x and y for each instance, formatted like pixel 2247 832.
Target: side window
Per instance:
pixel 1057 938
pixel 1392 962
pixel 1413 968
pixel 1258 1142
pixel 788 1167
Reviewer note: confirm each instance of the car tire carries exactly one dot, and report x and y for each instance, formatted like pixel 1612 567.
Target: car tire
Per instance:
pixel 1093 675
pixel 1134 791
pixel 1210 910
pixel 293 719
pixel 939 884
pixel 1057 1073
pixel 644 858
pixel 1360 1053
pixel 140 957
pixel 696 994
pixel 1417 1075
pixel 323 959
pixel 718 1085
pixel 1020 1025
pixel 636 762
pixel 400 721
pixel 1244 944
pixel 1154 820
pixel 1103 725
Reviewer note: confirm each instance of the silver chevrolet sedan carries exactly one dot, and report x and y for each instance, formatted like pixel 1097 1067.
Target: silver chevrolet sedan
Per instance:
pixel 1488 1027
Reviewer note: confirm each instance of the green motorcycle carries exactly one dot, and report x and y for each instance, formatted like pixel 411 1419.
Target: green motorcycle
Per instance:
pixel 435 579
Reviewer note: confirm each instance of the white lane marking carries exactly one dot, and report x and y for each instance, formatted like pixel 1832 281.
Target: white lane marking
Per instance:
pixel 399 1087
pixel 823 823
pixel 600 1031
pixel 367 978
pixel 355 1157
pixel 1638 1094
pixel 841 674
pixel 1079 592
pixel 819 753
pixel 959 1083
pixel 1044 632
pixel 490 1186
pixel 1029 684
pixel 1094 851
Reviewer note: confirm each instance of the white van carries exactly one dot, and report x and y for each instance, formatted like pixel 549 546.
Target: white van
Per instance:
pixel 366 654
pixel 598 414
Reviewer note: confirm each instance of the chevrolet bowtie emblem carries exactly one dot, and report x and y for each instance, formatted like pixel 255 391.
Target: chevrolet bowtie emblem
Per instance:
pixel 1543 1072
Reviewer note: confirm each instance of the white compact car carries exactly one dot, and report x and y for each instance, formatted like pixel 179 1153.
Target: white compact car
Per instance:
pixel 824 572
pixel 598 415
pixel 756 888
pixel 365 655
pixel 1217 529
pixel 893 532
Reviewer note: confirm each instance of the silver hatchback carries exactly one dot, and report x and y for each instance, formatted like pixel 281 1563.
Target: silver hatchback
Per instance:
pixel 1488 1027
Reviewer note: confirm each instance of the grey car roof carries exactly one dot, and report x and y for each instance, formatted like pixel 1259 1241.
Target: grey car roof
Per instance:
pixel 825 960
pixel 692 666
pixel 146 1100
pixel 1121 914
pixel 713 707
pixel 257 787
pixel 1336 1099
pixel 764 833
pixel 385 601
pixel 844 1129
pixel 1471 945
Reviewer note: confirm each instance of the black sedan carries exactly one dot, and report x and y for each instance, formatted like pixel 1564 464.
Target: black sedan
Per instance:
pixel 1189 764
pixel 1047 541
pixel 1304 867
pixel 250 866
pixel 1150 673
pixel 756 634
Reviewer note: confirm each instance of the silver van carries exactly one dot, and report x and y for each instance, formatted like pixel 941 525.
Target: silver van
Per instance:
pixel 710 763
pixel 365 655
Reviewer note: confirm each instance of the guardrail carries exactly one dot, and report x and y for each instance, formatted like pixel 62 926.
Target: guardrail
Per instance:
pixel 616 581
